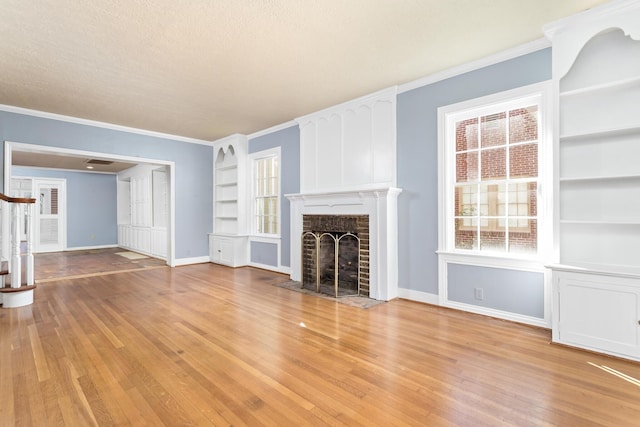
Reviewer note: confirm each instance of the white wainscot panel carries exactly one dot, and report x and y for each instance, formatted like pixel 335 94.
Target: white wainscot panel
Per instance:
pixel 350 146
pixel 357 148
pixel 384 141
pixel 159 242
pixel 329 149
pixel 308 156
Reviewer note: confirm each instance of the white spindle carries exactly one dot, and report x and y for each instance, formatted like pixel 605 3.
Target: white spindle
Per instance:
pixel 30 262
pixel 16 271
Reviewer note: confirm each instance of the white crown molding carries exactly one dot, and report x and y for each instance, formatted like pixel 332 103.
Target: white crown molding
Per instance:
pixel 505 55
pixel 590 15
pixel 229 139
pixel 272 129
pixel 77 120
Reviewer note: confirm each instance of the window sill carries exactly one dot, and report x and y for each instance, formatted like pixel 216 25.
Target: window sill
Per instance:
pixel 267 238
pixel 533 263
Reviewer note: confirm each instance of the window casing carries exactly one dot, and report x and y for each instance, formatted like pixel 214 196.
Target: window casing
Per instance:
pixel 266 193
pixel 490 175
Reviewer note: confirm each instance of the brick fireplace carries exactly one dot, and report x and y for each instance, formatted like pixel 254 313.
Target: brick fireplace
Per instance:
pixel 368 213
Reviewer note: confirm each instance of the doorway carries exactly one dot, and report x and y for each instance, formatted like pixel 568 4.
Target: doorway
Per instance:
pixel 57 152
pixel 49 219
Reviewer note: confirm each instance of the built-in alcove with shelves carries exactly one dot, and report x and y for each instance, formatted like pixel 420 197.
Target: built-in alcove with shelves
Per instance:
pixel 599 144
pixel 596 277
pixel 228 244
pixel 226 191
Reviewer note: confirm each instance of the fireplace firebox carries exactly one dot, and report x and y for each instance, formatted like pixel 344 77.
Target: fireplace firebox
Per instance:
pixel 335 254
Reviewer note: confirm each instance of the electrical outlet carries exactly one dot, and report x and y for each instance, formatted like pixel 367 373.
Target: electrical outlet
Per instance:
pixel 479 293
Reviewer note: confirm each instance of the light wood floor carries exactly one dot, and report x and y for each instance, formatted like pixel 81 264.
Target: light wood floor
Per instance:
pixel 54 265
pixel 207 345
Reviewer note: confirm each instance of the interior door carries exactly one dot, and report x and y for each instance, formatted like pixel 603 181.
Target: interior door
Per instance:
pixel 49 217
pixel 22 187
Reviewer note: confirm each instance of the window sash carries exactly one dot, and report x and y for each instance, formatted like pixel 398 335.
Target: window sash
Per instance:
pixel 493 199
pixel 266 191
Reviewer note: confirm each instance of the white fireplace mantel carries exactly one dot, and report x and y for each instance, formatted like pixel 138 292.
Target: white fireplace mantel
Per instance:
pixel 381 206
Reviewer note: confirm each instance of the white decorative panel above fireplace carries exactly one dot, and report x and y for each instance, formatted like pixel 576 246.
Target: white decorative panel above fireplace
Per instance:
pixel 351 145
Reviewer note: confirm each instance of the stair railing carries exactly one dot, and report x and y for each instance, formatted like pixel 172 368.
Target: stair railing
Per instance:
pixel 15 256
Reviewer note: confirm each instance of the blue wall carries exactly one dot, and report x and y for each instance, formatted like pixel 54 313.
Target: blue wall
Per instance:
pixel 91 205
pixel 417 137
pixel 504 289
pixel 193 166
pixel 264 253
pixel 289 142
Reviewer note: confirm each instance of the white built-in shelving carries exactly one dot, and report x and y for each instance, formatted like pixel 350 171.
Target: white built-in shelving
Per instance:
pixel 228 244
pixel 599 144
pixel 596 277
pixel 226 191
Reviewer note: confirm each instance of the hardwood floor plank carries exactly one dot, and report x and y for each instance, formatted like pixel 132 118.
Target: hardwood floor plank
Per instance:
pixel 207 345
pixel 38 354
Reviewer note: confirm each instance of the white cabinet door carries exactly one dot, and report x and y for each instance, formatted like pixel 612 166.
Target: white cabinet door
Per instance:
pixel 225 251
pixel 600 313
pixel 228 250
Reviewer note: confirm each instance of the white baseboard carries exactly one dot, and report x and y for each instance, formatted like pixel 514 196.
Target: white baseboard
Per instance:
pixel 418 296
pixel 281 269
pixel 498 314
pixel 85 248
pixel 428 298
pixel 194 260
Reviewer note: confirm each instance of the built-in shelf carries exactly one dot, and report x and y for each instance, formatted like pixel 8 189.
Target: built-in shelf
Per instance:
pixel 596 280
pixel 599 178
pixel 599 222
pixel 599 133
pixel 615 84
pixel 226 168
pixel 228 244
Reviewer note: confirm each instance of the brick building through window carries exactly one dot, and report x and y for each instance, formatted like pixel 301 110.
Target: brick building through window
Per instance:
pixel 496 180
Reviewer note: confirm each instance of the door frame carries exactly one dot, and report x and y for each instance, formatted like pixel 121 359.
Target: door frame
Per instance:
pixel 10 146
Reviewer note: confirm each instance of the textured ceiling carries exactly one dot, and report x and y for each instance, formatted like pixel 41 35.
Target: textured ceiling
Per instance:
pixel 209 68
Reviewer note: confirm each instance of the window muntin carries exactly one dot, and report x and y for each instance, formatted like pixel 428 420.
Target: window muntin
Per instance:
pixel 495 177
pixel 266 195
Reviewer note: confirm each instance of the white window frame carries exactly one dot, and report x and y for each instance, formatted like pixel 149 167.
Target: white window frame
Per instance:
pixel 253 159
pixel 540 93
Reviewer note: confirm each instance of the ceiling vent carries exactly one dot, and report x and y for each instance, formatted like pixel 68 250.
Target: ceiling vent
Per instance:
pixel 99 162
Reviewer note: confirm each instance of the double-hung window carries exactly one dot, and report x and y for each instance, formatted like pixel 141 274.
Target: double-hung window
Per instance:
pixel 490 182
pixel 266 192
